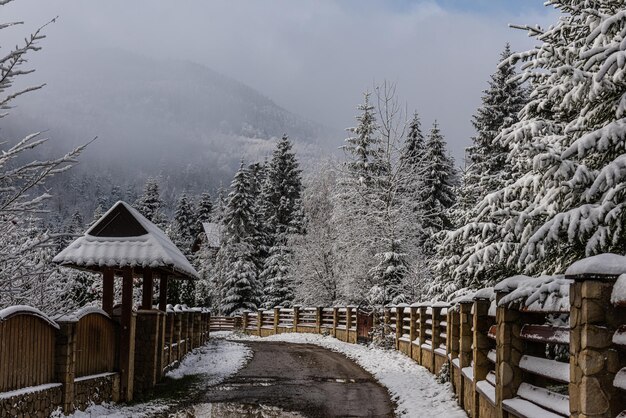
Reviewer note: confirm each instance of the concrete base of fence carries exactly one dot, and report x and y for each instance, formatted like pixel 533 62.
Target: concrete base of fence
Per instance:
pixel 306 329
pixel 440 360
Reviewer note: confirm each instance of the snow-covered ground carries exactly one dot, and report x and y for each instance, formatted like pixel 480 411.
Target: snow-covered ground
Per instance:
pixel 214 362
pixel 412 387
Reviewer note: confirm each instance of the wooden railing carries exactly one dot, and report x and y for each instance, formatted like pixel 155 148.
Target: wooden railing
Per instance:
pixel 516 350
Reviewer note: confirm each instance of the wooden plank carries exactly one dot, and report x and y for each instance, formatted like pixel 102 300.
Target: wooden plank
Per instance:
pixel 551 369
pixel 545 334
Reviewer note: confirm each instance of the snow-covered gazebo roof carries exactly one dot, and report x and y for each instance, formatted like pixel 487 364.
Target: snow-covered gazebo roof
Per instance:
pixel 124 238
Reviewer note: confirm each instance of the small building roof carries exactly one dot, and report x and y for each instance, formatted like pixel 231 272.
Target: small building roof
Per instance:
pixel 122 238
pixel 213 232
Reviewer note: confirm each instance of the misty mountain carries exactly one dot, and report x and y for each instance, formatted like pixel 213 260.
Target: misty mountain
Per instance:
pixel 178 120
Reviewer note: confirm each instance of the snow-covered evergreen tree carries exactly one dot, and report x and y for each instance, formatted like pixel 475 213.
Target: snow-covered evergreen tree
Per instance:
pixel 565 198
pixel 438 183
pixel 150 203
pixel 486 158
pixel 281 210
pixel 183 233
pixel 240 288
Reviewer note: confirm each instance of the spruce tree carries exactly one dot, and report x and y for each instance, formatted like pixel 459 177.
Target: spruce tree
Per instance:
pixel 183 234
pixel 437 194
pixel 281 200
pixel 239 277
pixel 150 203
pixel 501 103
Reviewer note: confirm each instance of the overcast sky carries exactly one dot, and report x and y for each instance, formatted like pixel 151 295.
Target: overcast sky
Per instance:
pixel 312 57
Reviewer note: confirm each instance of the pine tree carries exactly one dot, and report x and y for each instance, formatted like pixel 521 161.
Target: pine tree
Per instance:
pixel 204 208
pixel 277 277
pixel 239 278
pixel 150 203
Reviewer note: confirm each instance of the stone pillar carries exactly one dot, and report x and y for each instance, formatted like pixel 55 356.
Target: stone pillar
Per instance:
pixel 146 370
pixel 412 329
pixel 399 317
pixel 178 334
pixel 276 319
pixel 244 319
pixel 482 346
pixel 436 320
pixel 593 360
pixel 197 329
pixel 296 318
pixel 169 338
pixel 386 321
pixel 509 351
pixel 65 363
pixel 422 328
pixel 349 320
pixel 335 320
pixel 318 319
pixel 453 334
pixel 465 342
pixel 161 345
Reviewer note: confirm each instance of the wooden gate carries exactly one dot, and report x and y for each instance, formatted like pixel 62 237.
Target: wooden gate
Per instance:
pixel 364 325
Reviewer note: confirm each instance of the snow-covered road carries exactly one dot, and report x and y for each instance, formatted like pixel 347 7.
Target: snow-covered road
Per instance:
pixel 412 387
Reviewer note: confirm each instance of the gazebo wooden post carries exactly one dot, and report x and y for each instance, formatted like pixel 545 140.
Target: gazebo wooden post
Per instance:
pixel 163 292
pixel 127 337
pixel 108 284
pixel 148 289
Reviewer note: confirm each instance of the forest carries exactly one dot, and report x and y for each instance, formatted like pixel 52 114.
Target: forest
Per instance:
pixel 393 218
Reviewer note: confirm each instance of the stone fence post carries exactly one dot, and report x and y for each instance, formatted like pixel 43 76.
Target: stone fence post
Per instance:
pixel 296 318
pixel 593 361
pixel 276 318
pixel 509 351
pixel 399 319
pixel 318 319
pixel 465 344
pixel 412 329
pixel 65 362
pixel 259 321
pixel 481 346
pixel 244 320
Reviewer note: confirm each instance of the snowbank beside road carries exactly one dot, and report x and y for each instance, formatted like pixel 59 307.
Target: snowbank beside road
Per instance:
pixel 412 387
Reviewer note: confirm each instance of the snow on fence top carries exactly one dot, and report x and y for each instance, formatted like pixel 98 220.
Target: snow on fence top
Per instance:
pixel 11 311
pixel 540 294
pixel 618 296
pixel 84 311
pixel 123 237
pixel 598 265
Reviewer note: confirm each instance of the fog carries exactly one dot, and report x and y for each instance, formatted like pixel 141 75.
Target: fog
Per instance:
pixel 313 58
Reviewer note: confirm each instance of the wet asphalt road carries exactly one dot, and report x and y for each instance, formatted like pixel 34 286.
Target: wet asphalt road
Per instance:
pixel 306 379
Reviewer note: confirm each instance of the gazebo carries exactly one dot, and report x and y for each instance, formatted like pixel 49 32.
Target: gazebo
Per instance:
pixel 125 244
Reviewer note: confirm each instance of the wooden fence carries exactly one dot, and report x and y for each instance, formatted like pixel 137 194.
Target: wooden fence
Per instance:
pixel 73 360
pixel 520 349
